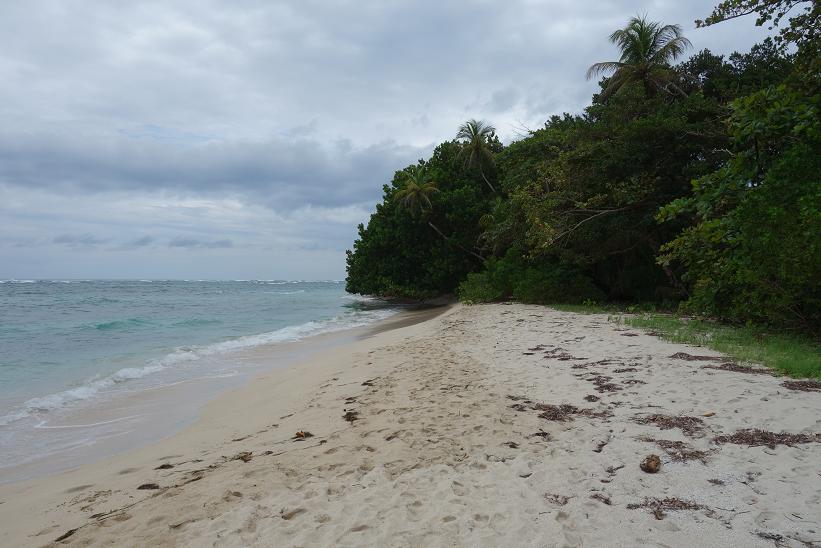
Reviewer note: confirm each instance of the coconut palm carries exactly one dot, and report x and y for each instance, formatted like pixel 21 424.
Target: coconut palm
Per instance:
pixel 647 49
pixel 415 196
pixel 475 151
pixel 416 193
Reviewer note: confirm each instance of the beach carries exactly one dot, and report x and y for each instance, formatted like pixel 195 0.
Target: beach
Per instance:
pixel 484 425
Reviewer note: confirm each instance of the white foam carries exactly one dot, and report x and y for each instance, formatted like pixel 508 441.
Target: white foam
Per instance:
pixel 94 386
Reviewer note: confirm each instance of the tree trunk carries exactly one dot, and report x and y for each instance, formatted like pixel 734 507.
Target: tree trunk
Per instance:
pixel 482 172
pixel 457 244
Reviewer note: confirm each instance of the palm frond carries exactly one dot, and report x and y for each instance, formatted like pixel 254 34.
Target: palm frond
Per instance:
pixel 605 67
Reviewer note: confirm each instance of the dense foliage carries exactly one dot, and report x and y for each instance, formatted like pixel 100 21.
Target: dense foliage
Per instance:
pixel 696 183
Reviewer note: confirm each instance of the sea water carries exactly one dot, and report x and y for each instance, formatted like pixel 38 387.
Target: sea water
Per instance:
pixel 68 347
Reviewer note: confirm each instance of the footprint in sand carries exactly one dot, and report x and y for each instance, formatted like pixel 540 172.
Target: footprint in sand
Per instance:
pixel 292 513
pixel 79 488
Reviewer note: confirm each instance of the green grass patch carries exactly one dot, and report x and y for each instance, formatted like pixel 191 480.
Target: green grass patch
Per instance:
pixel 590 307
pixel 587 308
pixel 794 355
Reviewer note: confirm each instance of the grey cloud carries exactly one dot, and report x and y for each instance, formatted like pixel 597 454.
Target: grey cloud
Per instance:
pixel 503 100
pixel 112 116
pixel 281 173
pixel 78 240
pixel 141 242
pixel 195 243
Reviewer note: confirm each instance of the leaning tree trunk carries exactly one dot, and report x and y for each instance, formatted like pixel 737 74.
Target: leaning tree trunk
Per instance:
pixel 482 172
pixel 457 244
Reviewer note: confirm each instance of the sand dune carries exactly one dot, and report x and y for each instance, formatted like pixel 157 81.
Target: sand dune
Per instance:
pixel 489 425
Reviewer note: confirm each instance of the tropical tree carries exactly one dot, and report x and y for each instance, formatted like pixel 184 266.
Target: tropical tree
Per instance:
pixel 476 153
pixel 417 191
pixel 415 196
pixel 647 49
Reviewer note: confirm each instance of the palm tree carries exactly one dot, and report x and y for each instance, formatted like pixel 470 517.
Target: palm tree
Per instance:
pixel 647 48
pixel 415 196
pixel 475 150
pixel 416 193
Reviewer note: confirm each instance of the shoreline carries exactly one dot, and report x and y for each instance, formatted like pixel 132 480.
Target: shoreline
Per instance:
pixel 132 417
pixel 484 425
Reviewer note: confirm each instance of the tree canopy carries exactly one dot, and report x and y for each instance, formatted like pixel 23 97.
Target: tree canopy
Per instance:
pixel 693 185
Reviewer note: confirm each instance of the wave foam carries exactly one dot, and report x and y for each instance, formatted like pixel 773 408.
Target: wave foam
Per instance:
pixel 94 386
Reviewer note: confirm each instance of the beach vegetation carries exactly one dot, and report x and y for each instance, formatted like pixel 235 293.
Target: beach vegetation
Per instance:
pixel 690 184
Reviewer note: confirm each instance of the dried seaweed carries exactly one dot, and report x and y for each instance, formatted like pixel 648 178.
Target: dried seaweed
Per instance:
pixel 561 500
pixel 689 425
pixel 611 470
pixel 591 398
pixel 678 450
pixel 692 358
pixel 736 368
pixel 559 353
pixel 603 384
pixel 602 497
pixel 753 437
pixel 803 386
pixel 625 370
pixel 658 506
pixel 565 412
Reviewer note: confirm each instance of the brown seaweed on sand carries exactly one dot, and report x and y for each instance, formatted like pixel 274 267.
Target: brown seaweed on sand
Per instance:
pixel 560 500
pixel 351 416
pixel 689 425
pixel 302 435
pixel 565 412
pixel 737 368
pixel 678 450
pixel 602 497
pixel 803 386
pixel 658 506
pixel 753 437
pixel 692 358
pixel 603 384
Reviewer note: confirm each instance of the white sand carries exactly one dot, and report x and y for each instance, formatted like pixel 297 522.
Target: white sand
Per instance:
pixel 428 463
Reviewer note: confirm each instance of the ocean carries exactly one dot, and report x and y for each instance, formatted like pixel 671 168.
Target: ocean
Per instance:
pixel 80 359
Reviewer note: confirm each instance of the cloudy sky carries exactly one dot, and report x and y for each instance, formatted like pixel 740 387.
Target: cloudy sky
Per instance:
pixel 246 139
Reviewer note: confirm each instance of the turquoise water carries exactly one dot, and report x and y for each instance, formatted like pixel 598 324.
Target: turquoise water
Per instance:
pixel 69 345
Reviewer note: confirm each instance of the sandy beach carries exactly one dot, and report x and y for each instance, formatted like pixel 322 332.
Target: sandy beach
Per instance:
pixel 488 425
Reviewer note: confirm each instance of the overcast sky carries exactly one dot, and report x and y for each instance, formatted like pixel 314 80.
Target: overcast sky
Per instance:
pixel 246 139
